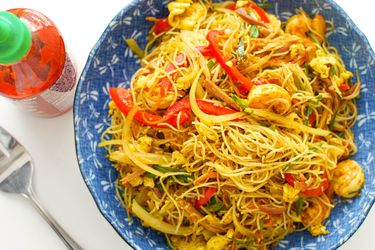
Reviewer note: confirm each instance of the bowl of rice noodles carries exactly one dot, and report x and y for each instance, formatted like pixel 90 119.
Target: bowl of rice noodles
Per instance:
pixel 229 125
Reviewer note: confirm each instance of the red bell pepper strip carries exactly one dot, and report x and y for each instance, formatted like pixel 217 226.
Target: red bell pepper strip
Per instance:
pixel 165 83
pixel 245 84
pixel 310 192
pixel 344 87
pixel 262 14
pixel 210 191
pixel 312 118
pixel 206 107
pixel 162 25
pixel 231 6
pixel 124 101
pixel 205 51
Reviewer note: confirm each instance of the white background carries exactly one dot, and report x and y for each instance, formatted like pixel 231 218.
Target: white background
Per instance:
pixel 57 179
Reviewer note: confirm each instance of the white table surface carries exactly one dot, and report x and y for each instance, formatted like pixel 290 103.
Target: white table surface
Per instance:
pixel 57 179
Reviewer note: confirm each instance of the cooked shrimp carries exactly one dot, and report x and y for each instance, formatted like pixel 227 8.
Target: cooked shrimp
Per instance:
pixel 318 24
pixel 298 24
pixel 313 216
pixel 301 24
pixel 269 96
pixel 348 179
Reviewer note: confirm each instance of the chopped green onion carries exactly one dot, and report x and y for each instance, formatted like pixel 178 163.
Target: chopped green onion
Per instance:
pixel 313 38
pixel 318 99
pixel 340 134
pixel 211 64
pixel 147 174
pixel 308 70
pixel 287 167
pixel 263 123
pixel 299 204
pixel 241 48
pixel 215 206
pixel 183 177
pixel 350 82
pixel 164 170
pixel 333 70
pixel 314 149
pixel 254 31
pixel 273 127
pixel 242 242
pixel 332 122
pixel 241 102
pixel 308 113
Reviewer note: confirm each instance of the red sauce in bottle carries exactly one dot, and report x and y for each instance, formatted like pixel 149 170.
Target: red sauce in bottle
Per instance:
pixel 43 80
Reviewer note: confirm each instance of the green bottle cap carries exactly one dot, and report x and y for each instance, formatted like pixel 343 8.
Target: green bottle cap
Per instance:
pixel 15 38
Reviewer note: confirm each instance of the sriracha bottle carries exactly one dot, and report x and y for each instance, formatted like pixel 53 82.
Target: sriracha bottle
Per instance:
pixel 35 70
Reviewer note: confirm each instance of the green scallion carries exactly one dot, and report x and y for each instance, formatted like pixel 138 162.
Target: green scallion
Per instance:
pixel 254 31
pixel 333 70
pixel 241 102
pixel 318 99
pixel 211 64
pixel 215 206
pixel 308 113
pixel 313 37
pixel 299 204
pixel 332 122
pixel 273 127
pixel 287 167
pixel 241 48
pixel 183 177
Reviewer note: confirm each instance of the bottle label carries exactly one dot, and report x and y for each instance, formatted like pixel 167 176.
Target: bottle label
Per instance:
pixel 58 98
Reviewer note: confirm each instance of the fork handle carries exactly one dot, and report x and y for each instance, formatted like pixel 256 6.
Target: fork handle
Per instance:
pixel 70 243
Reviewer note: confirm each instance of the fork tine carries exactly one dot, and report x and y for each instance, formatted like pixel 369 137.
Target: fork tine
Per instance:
pixel 4 142
pixel 12 154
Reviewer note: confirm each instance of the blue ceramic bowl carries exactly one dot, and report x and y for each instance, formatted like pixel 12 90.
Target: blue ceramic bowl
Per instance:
pixel 111 63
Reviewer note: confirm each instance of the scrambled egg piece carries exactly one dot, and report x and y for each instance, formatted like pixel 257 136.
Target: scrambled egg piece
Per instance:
pixel 348 179
pixel 184 14
pixel 296 50
pixel 180 243
pixel 178 158
pixel 322 63
pixel 217 243
pixel 344 76
pixel 148 182
pixel 290 194
pixel 145 143
pixel 143 81
pixel 137 181
pixel 316 230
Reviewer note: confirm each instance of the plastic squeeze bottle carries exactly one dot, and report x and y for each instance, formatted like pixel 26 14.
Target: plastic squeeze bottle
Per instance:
pixel 35 70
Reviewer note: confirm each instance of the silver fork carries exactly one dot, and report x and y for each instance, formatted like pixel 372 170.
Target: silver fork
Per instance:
pixel 16 169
